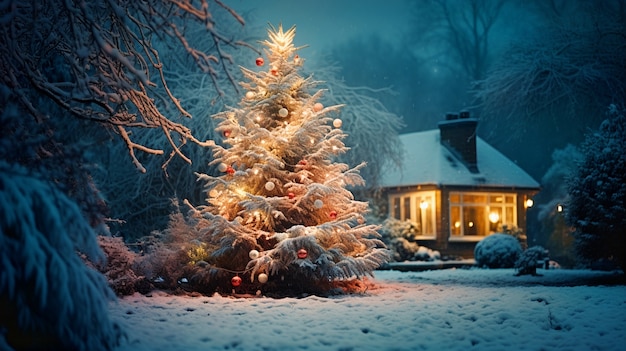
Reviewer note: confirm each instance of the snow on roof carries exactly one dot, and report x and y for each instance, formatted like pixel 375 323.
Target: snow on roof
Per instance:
pixel 426 161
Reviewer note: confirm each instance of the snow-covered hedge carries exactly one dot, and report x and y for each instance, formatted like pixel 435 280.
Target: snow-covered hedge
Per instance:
pixel 49 299
pixel 497 251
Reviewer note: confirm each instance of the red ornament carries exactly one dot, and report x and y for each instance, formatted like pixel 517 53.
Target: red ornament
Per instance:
pixel 226 133
pixel 260 61
pixel 230 170
pixel 333 214
pixel 302 163
pixel 302 254
pixel 291 195
pixel 236 281
pixel 274 72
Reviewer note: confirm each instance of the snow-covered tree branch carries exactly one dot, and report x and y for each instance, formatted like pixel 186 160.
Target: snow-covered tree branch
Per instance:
pixel 97 60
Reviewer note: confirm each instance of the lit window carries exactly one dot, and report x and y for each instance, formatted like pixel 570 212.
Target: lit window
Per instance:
pixel 481 214
pixel 418 208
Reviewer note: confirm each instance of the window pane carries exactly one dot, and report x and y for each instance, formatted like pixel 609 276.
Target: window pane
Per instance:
pixel 455 220
pixel 510 199
pixel 455 197
pixel 407 207
pixel 474 220
pixel 495 219
pixel 395 210
pixel 510 218
pixel 473 198
pixel 496 199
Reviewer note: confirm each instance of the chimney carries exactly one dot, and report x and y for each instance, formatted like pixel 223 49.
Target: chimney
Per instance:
pixel 458 134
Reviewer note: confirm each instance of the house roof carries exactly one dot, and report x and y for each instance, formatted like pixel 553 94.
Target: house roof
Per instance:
pixel 427 161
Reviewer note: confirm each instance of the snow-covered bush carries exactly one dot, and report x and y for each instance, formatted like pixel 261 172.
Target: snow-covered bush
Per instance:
pixel 497 251
pixel 399 236
pixel 120 268
pixel 528 260
pixel 48 297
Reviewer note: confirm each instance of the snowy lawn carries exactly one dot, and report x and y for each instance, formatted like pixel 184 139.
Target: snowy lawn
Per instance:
pixel 452 309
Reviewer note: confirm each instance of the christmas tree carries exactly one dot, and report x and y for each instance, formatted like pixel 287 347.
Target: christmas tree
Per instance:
pixel 280 218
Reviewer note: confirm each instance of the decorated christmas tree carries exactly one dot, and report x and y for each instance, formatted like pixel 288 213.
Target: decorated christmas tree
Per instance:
pixel 280 216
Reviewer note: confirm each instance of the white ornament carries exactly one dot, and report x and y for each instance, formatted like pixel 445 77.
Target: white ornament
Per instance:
pixel 262 278
pixel 250 95
pixel 254 254
pixel 337 123
pixel 283 112
pixel 270 186
pixel 318 203
pixel 318 107
pixel 222 167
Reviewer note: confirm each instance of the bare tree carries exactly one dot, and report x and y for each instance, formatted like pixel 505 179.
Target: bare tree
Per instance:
pixel 570 71
pixel 457 33
pixel 97 60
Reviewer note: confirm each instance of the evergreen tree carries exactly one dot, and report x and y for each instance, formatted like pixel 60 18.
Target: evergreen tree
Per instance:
pixel 280 217
pixel 597 207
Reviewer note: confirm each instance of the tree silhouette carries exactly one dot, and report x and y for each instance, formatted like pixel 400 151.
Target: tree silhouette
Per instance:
pixel 597 205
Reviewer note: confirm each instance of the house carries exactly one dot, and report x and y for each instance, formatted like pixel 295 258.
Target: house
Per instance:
pixel 455 188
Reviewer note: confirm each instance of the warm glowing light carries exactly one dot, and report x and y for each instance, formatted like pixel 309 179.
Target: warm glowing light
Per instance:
pixel 494 217
pixel 559 208
pixel 312 141
pixel 258 118
pixel 255 171
pixel 424 205
pixel 470 224
pixel 457 224
pixel 529 203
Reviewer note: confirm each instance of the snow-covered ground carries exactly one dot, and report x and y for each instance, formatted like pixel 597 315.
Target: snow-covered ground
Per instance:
pixel 452 309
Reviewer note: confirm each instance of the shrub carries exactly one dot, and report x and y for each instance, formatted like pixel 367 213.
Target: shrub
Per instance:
pixel 497 251
pixel 527 261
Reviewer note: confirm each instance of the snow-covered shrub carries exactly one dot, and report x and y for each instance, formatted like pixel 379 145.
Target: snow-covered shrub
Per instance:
pixel 48 297
pixel 399 236
pixel 528 260
pixel 497 251
pixel 120 267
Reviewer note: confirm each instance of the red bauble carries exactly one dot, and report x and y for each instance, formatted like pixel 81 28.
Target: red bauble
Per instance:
pixel 302 254
pixel 260 61
pixel 291 195
pixel 302 163
pixel 230 170
pixel 274 72
pixel 226 133
pixel 236 281
pixel 333 214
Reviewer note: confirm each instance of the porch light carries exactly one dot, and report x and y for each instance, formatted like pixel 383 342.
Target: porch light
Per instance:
pixel 424 205
pixel 559 208
pixel 494 217
pixel 529 203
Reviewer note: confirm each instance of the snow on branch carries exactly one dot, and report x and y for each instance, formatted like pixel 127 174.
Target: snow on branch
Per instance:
pixel 98 61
